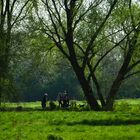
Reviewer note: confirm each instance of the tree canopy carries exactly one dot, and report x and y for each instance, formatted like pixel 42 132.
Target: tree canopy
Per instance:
pixel 91 48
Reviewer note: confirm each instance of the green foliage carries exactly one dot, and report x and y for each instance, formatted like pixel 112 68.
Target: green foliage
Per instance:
pixel 127 105
pixel 37 66
pixel 19 108
pixel 52 105
pixel 53 137
pixel 123 106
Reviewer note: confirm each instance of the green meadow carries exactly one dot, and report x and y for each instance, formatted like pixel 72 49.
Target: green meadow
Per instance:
pixel 121 124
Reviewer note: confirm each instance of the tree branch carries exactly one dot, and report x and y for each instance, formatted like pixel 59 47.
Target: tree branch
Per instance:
pixel 82 15
pixel 132 66
pixel 99 93
pixel 12 6
pixel 97 2
pixel 16 19
pixel 131 74
pixel 59 18
pixel 94 36
pixel 131 15
pixel 117 44
pixel 51 34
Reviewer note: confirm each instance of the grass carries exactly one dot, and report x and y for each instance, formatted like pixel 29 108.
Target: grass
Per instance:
pixel 122 124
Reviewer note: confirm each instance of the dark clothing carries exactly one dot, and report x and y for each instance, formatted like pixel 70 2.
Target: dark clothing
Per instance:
pixel 43 102
pixel 65 101
pixel 60 100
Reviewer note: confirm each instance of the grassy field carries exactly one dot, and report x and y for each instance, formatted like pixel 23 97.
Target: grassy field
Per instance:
pixel 122 124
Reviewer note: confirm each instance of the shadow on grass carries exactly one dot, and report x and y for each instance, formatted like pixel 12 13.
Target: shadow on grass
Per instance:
pixel 104 122
pixel 19 108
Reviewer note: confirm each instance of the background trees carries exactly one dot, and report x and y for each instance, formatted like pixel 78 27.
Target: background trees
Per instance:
pixel 11 13
pixel 68 18
pixel 66 43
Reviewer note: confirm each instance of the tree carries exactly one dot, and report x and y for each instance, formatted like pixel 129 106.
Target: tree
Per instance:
pixel 131 27
pixel 12 12
pixel 38 67
pixel 62 21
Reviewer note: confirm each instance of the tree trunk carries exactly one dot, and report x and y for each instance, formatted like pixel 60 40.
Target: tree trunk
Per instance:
pixel 74 62
pixel 4 59
pixel 80 75
pixel 123 71
pixel 113 91
pixel 118 81
pixel 92 101
pixel 0 93
pixel 100 95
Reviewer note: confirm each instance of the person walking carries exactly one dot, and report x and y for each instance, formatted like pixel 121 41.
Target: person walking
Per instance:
pixel 43 102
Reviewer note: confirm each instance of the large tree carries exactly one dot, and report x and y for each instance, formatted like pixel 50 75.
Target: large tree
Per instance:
pixel 82 31
pixel 12 12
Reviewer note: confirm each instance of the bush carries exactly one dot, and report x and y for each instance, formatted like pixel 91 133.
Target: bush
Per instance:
pixel 83 106
pixel 19 108
pixel 73 105
pixel 53 137
pixel 135 108
pixel 122 106
pixel 52 105
pixel 2 109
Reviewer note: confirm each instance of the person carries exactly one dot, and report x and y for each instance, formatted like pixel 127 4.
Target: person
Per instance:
pixel 44 99
pixel 60 99
pixel 65 99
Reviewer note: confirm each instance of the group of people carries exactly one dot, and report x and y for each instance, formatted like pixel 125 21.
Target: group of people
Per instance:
pixel 62 98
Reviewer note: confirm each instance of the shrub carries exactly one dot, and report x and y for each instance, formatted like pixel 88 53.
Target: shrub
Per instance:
pixel 122 106
pixel 2 109
pixel 19 108
pixel 135 108
pixel 52 105
pixel 53 137
pixel 73 105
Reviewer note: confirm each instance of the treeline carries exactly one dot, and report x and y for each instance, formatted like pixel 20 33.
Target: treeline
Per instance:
pixel 91 49
pixel 55 75
pixel 37 71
